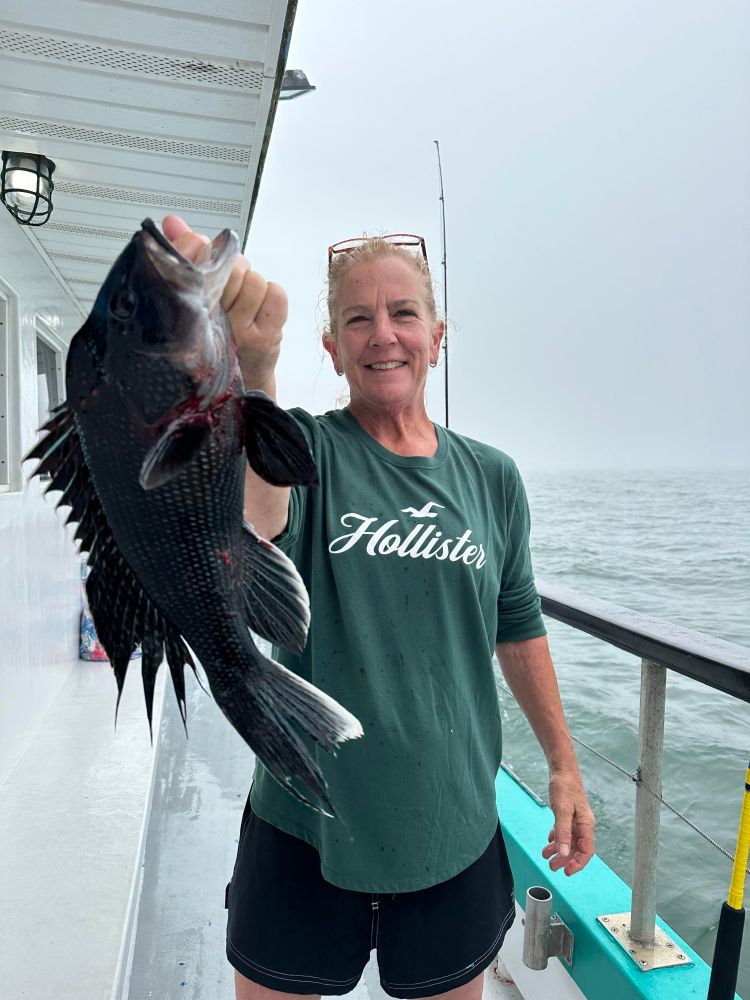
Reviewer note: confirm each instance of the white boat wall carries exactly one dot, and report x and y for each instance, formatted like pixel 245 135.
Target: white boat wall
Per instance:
pixel 69 815
pixel 39 574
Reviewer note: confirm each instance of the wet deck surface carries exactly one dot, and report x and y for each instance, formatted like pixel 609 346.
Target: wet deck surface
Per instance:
pixel 70 828
pixel 70 817
pixel 199 793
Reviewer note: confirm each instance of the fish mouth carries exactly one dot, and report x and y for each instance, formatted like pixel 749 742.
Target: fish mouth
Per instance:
pixel 199 340
pixel 150 227
pixel 211 268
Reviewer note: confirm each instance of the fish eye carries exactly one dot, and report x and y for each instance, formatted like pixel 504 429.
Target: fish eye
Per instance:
pixel 122 304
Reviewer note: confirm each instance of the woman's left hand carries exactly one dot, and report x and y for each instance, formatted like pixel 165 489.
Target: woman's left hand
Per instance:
pixel 528 669
pixel 571 839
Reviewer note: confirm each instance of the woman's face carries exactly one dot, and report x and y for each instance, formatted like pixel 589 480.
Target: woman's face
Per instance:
pixel 386 336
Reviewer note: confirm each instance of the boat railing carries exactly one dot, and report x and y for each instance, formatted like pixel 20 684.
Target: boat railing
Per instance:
pixel 722 665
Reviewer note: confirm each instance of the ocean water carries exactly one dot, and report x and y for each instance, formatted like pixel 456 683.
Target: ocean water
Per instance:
pixel 676 546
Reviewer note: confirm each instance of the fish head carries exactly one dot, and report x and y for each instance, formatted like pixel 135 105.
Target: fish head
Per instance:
pixel 156 304
pixel 169 303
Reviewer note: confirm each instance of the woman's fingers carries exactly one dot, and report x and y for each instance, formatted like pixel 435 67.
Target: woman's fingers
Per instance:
pixel 233 287
pixel 256 309
pixel 571 841
pixel 261 308
pixel 257 318
pixel 563 822
pixel 245 289
pixel 173 226
pixel 182 237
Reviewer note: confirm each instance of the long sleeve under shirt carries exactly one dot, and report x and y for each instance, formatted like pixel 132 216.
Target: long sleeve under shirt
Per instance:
pixel 415 567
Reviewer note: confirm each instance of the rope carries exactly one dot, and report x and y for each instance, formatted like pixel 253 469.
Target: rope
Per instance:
pixel 617 767
pixel 635 777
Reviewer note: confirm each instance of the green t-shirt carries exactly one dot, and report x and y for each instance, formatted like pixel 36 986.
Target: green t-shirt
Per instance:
pixel 415 567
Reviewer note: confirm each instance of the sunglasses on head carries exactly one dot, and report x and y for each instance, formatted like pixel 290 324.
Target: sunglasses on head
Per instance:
pixel 406 240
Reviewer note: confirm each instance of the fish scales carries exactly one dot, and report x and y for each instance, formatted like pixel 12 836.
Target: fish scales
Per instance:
pixel 152 527
pixel 149 452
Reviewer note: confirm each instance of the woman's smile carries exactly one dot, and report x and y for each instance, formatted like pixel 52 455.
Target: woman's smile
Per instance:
pixel 385 366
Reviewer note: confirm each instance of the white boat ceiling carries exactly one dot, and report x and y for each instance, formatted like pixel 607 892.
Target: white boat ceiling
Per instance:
pixel 145 107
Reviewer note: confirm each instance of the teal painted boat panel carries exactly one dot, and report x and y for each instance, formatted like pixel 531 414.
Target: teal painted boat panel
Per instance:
pixel 600 969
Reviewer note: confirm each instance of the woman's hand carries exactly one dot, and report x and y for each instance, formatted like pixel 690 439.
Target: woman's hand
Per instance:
pixel 571 839
pixel 530 673
pixel 256 309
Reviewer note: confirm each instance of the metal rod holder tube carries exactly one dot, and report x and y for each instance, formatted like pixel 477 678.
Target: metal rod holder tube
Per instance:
pixel 647 807
pixel 537 927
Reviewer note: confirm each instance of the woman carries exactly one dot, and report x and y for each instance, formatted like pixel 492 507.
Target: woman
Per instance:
pixel 414 548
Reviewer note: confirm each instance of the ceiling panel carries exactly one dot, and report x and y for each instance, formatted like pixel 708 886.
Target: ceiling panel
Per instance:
pixel 199 37
pixel 146 107
pixel 155 95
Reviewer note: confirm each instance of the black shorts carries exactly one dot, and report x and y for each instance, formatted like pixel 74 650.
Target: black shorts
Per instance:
pixel 292 931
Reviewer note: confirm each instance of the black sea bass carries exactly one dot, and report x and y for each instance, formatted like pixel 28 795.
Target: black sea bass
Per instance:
pixel 149 452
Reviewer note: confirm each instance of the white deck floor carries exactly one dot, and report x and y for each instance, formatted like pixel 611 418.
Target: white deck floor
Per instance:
pixel 84 916
pixel 70 816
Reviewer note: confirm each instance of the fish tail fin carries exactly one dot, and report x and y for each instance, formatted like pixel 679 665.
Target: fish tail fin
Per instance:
pixel 276 695
pixel 320 716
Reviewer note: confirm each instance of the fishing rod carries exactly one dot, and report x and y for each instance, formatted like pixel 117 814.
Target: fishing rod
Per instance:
pixel 731 922
pixel 445 278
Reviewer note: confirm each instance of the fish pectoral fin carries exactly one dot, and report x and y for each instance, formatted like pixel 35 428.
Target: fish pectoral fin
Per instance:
pixel 276 602
pixel 276 448
pixel 174 450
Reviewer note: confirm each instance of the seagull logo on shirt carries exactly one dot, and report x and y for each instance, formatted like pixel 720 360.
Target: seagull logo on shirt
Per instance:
pixel 426 511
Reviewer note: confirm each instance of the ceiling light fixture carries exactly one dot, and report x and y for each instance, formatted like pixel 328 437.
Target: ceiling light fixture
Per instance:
pixel 27 187
pixel 294 83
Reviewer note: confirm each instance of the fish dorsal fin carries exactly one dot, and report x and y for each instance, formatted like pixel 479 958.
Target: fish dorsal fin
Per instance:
pixel 123 613
pixel 276 600
pixel 276 448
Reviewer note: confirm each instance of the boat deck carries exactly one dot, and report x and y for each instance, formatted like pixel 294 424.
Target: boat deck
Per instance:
pixel 178 933
pixel 72 809
pixel 117 893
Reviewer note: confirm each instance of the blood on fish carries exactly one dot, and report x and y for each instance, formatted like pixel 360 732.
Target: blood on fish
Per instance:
pixel 226 556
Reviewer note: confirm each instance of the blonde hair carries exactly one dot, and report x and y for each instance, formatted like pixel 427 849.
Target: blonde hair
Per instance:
pixel 372 248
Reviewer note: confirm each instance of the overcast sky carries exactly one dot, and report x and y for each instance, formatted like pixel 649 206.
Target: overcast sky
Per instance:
pixel 596 159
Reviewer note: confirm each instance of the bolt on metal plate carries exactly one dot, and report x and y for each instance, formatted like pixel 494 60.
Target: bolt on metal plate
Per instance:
pixel 662 954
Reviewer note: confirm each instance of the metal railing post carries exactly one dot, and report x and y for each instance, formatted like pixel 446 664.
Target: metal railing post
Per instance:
pixel 647 807
pixel 661 646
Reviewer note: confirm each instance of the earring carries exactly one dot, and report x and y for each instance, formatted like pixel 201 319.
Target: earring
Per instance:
pixel 433 364
pixel 338 372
